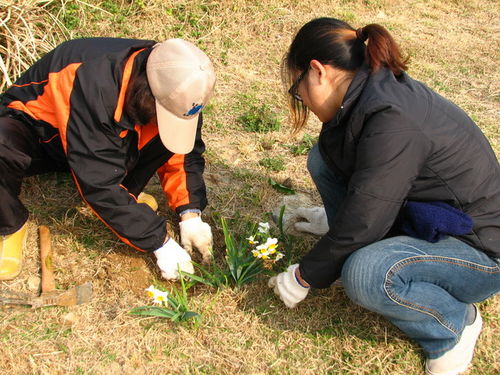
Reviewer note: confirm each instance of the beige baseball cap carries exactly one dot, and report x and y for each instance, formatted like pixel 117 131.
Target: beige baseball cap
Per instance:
pixel 182 79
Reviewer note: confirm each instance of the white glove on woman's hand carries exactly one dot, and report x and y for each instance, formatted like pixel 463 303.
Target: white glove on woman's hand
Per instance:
pixel 316 220
pixel 197 234
pixel 287 288
pixel 170 257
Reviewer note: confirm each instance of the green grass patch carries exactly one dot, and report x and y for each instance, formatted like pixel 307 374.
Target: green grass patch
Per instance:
pixel 275 164
pixel 257 117
pixel 304 146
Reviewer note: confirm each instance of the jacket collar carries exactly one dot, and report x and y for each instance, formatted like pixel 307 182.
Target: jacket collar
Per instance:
pixel 351 97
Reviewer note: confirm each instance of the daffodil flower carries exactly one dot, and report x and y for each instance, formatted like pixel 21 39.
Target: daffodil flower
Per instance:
pixel 161 298
pixel 261 248
pixel 271 243
pixel 251 240
pixel 268 249
pixel 263 227
pixel 156 295
pixel 151 291
pixel 264 253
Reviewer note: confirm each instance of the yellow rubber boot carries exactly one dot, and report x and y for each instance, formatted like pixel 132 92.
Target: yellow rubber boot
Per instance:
pixel 11 253
pixel 149 200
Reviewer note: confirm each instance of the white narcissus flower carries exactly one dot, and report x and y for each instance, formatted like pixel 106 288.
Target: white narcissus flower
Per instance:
pixel 263 227
pixel 156 295
pixel 251 240
pixel 261 248
pixel 257 252
pixel 161 298
pixel 271 244
pixel 267 249
pixel 151 291
pixel 263 252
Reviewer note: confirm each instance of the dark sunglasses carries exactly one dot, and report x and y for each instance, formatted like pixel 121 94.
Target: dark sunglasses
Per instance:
pixel 293 91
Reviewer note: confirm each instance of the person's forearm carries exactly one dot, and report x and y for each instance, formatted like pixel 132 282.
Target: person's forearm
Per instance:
pixel 189 215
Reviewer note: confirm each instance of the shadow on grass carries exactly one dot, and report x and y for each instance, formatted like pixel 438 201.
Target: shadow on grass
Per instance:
pixel 53 200
pixel 236 194
pixel 324 317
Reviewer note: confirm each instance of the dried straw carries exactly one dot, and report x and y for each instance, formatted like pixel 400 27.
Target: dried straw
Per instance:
pixel 28 30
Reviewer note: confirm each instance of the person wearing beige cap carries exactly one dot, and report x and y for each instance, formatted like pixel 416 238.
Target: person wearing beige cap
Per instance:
pixel 112 112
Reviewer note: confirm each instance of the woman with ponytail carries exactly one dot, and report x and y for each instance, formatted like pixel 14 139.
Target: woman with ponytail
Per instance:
pixel 410 187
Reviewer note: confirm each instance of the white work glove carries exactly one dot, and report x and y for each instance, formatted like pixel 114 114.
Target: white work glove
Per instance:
pixel 197 234
pixel 287 288
pixel 171 257
pixel 316 220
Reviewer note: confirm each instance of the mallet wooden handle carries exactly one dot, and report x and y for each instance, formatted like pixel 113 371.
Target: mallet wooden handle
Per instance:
pixel 48 281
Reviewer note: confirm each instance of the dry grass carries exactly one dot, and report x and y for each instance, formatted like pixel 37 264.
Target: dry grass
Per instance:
pixel 453 47
pixel 27 31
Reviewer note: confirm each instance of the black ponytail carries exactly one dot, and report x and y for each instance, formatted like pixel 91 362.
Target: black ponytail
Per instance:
pixel 335 42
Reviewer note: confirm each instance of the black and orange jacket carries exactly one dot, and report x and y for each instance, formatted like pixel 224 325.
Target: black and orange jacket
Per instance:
pixel 74 99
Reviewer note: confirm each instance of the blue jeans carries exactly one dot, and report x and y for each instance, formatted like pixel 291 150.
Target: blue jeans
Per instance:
pixel 425 289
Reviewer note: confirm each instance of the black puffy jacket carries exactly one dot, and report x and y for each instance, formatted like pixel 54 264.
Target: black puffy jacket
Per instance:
pixel 393 140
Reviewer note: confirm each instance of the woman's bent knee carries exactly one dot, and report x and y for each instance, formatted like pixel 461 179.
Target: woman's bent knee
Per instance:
pixel 315 163
pixel 363 277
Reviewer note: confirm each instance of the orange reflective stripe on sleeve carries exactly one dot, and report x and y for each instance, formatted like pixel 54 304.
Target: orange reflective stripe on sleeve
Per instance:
pixel 127 71
pixel 49 140
pixel 31 83
pixel 53 106
pixel 129 193
pixel 125 240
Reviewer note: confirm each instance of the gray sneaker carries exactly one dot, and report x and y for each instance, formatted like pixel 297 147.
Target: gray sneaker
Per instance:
pixel 455 361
